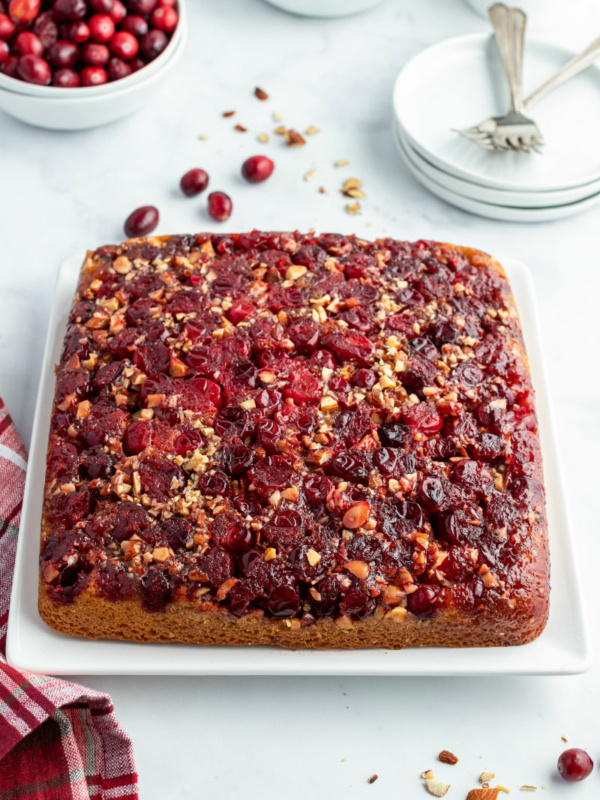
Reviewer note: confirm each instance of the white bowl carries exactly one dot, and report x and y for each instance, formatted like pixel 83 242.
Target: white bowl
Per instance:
pixel 87 107
pixel 325 8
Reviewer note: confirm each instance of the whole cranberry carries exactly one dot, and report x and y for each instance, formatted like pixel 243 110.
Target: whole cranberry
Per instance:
pixel 78 32
pixel 23 10
pixel 69 10
pixel 102 28
pixel 117 69
pixel 4 51
pixel 164 18
pixel 63 54
pixel 142 7
pixel 101 6
pixel 119 12
pixel 170 3
pixel 136 63
pixel 257 169
pixel 193 182
pixel 124 45
pixel 27 43
pixel 34 69
pixel 95 55
pixel 574 765
pixel 135 25
pixel 219 206
pixel 66 79
pixel 142 221
pixel 10 66
pixel 153 43
pixel 7 27
pixel 93 76
pixel 46 29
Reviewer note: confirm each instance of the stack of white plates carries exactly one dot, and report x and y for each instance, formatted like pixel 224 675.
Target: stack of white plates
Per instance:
pixel 457 84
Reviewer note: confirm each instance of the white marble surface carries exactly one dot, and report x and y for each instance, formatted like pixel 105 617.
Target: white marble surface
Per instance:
pixel 61 193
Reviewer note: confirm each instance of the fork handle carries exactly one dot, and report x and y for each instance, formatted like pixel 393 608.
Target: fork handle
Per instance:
pixel 509 28
pixel 573 67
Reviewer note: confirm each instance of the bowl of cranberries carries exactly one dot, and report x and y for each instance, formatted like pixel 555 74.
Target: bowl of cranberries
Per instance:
pixel 72 64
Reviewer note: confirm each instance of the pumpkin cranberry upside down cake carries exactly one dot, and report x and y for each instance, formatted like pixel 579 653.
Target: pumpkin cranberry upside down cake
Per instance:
pixel 301 440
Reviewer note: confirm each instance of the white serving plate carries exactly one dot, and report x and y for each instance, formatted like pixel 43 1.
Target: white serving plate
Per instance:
pixel 325 8
pixel 491 210
pixel 563 648
pixel 500 197
pixel 459 82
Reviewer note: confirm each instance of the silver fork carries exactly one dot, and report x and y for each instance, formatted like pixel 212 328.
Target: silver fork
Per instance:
pixel 512 131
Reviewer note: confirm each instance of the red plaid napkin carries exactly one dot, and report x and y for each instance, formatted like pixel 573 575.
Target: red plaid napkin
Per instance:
pixel 58 740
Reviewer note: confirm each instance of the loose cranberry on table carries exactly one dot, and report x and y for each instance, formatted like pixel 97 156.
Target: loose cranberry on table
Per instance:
pixel 257 169
pixel 219 206
pixel 142 221
pixel 574 765
pixel 193 182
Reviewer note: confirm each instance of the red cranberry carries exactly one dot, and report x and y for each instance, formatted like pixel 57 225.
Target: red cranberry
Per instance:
pixel 4 51
pixel 7 27
pixel 164 18
pixel 117 69
pixel 304 333
pixel 574 765
pixel 363 379
pixel 153 43
pixel 136 438
pixel 124 45
pixel 425 418
pixel 45 29
pixel 69 10
pixel 422 602
pixel 284 601
pixel 23 10
pixel 10 66
pixel 34 69
pixel 102 28
pixel 95 55
pixel 63 55
pixel 78 32
pixel 303 387
pixel 193 182
pixel 66 79
pixel 101 6
pixel 141 222
pixel 317 488
pixel 257 169
pixel 214 483
pixel 219 206
pixel 142 7
pixel 136 26
pixel 136 63
pixel 171 3
pixel 230 531
pixel 93 76
pixel 270 473
pixel 118 13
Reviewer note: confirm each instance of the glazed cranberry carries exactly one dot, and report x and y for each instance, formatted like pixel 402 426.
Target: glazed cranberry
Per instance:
pixel 164 18
pixel 237 459
pixel 93 76
pixel 352 347
pixel 142 7
pixel 233 422
pixel 34 69
pixel 63 55
pixel 101 6
pixel 357 603
pixel 284 601
pixel 102 28
pixel 153 43
pixel 95 55
pixel 66 79
pixel 574 765
pixel 69 10
pixel 351 466
pixel 189 441
pixel 124 45
pixel 157 592
pixel 269 433
pixel 219 206
pixel 304 333
pixel 141 222
pixel 214 483
pixel 136 438
pixel 240 311
pixel 317 488
pixel 23 10
pixel 323 358
pixel 194 181
pixel 4 51
pixel 230 531
pixel 422 602
pixel 117 69
pixel 303 387
pixel 118 13
pixel 425 418
pixel 363 379
pixel 136 26
pixel 270 473
pixel 27 43
pixel 10 66
pixel 78 32
pixel 255 169
pixel 7 27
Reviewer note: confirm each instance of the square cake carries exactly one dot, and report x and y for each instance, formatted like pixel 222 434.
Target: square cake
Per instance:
pixel 294 439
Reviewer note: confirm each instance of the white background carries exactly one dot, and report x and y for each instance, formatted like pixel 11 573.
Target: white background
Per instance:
pixel 61 193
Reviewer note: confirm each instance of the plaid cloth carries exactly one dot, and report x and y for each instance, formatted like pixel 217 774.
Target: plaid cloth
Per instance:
pixel 58 740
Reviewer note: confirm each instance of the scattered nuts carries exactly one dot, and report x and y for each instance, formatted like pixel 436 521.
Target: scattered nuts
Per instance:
pixel 261 94
pixel 436 788
pixel 483 794
pixel 359 569
pixel 294 139
pixel 228 113
pixel 446 757
pixel 356 516
pixel 240 128
pixel 373 778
